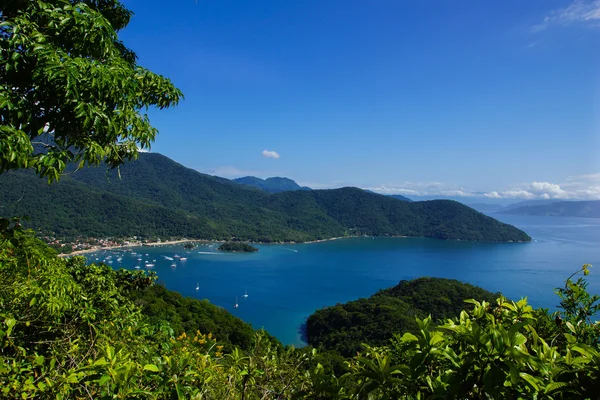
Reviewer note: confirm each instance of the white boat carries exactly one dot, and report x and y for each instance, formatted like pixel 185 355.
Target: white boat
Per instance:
pixel 137 267
pixel 183 259
pixel 246 294
pixel 168 258
pixel 236 305
pixel 197 286
pixel 173 265
pixel 149 265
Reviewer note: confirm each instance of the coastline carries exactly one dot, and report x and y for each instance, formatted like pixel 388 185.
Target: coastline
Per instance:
pixel 172 242
pixel 136 244
pixel 327 240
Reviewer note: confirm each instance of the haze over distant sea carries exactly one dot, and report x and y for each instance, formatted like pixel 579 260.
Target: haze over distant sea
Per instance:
pixel 286 283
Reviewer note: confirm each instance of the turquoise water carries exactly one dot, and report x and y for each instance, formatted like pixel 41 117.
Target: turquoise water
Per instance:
pixel 286 283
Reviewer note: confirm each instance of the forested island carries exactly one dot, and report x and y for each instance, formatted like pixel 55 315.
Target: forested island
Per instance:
pixel 237 247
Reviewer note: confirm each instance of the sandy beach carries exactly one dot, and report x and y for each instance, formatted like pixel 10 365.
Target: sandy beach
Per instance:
pixel 327 240
pixel 136 244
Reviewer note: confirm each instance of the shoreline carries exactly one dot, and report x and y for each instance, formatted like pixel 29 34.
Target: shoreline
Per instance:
pixel 172 242
pixel 327 240
pixel 137 244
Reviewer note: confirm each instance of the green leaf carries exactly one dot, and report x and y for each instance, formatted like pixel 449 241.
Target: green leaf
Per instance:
pixel 409 337
pixel 151 367
pixel 531 380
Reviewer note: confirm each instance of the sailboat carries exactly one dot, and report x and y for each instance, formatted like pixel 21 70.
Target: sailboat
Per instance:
pixel 197 286
pixel 236 305
pixel 246 294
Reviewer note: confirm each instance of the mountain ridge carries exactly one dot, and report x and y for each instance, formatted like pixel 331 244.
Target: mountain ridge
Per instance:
pixel 274 184
pixel 157 196
pixel 582 209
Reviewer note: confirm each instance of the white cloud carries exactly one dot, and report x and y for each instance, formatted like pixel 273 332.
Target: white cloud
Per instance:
pixel 550 189
pixel 270 154
pixel 546 190
pixel 510 194
pixel 422 189
pixel 228 171
pixel 391 190
pixel 321 185
pixel 578 12
pixel 583 187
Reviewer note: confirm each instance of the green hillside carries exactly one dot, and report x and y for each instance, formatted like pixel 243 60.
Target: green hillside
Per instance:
pixel 399 197
pixel 186 314
pixel 156 196
pixel 344 327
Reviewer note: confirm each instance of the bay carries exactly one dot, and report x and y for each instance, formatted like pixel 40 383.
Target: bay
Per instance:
pixel 286 283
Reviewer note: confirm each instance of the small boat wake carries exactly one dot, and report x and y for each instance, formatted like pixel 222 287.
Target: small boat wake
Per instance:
pixel 210 252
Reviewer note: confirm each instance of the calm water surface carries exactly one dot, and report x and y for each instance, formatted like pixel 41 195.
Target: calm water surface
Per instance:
pixel 286 283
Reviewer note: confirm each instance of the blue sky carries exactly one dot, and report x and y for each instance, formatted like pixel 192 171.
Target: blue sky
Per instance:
pixel 495 99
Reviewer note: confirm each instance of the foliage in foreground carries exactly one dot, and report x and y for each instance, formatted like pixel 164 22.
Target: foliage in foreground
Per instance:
pixel 70 91
pixel 69 330
pixel 185 314
pixel 374 320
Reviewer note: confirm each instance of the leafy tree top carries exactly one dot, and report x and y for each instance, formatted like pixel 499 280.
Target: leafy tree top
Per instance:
pixel 70 90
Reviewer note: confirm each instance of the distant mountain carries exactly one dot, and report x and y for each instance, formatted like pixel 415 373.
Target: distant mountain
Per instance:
pixel 271 185
pixel 528 203
pixel 586 209
pixel 159 197
pixel 484 207
pixel 399 197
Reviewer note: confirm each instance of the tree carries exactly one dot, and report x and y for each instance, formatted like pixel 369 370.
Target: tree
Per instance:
pixel 70 91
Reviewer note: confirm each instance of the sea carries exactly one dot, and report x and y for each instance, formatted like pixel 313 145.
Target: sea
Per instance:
pixel 285 283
